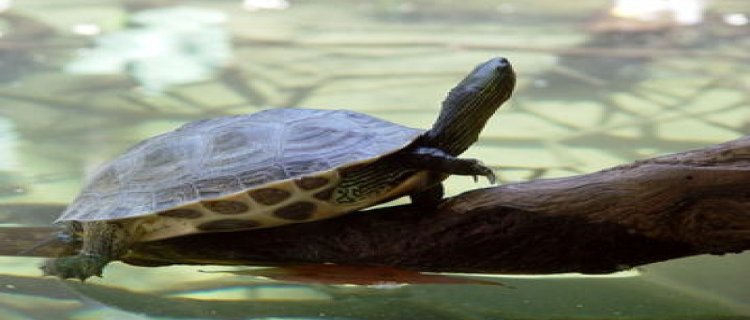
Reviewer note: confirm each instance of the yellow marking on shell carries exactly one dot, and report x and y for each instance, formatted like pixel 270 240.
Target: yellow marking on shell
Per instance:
pixel 157 227
pixel 161 227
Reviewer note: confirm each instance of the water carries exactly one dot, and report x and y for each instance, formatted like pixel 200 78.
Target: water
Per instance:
pixel 79 85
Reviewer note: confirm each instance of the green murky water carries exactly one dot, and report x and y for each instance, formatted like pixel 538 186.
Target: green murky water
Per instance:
pixel 81 80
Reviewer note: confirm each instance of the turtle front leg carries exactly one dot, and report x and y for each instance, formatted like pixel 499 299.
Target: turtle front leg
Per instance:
pixel 427 158
pixel 103 241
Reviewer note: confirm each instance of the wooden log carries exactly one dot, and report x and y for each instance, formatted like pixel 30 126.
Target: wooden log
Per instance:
pixel 696 202
pixel 690 203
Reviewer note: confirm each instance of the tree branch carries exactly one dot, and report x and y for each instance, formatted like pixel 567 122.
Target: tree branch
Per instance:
pixel 696 202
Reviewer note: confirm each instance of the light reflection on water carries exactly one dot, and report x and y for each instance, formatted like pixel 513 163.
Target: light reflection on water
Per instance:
pixel 586 100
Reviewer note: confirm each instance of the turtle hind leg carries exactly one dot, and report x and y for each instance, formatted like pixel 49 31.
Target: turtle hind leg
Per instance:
pixel 80 266
pixel 434 159
pixel 428 198
pixel 103 242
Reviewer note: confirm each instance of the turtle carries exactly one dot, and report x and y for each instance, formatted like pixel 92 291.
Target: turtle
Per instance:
pixel 271 168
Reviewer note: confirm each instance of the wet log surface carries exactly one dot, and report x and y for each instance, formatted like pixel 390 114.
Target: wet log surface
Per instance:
pixel 696 202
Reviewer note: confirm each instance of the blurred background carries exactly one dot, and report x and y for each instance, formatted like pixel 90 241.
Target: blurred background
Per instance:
pixel 600 83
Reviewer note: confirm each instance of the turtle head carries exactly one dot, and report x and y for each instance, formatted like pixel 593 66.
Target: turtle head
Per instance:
pixel 470 104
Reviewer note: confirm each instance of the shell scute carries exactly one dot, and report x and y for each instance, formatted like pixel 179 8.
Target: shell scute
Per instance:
pixel 217 186
pixel 182 213
pixel 311 183
pixel 227 207
pixel 296 168
pixel 324 195
pixel 297 211
pixel 216 158
pixel 176 195
pixel 270 196
pixel 263 175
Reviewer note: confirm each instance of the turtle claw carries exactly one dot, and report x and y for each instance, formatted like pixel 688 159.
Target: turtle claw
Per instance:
pixel 491 177
pixel 479 169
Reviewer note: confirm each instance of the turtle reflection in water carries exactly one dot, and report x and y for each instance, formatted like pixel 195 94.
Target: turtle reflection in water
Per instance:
pixel 272 168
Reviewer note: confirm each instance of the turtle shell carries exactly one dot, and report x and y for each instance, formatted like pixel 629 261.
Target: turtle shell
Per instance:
pixel 234 156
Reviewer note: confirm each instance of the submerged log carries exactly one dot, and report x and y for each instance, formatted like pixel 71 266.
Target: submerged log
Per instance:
pixel 696 202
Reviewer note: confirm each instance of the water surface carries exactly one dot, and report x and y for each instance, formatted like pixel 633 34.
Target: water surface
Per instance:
pixel 81 81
